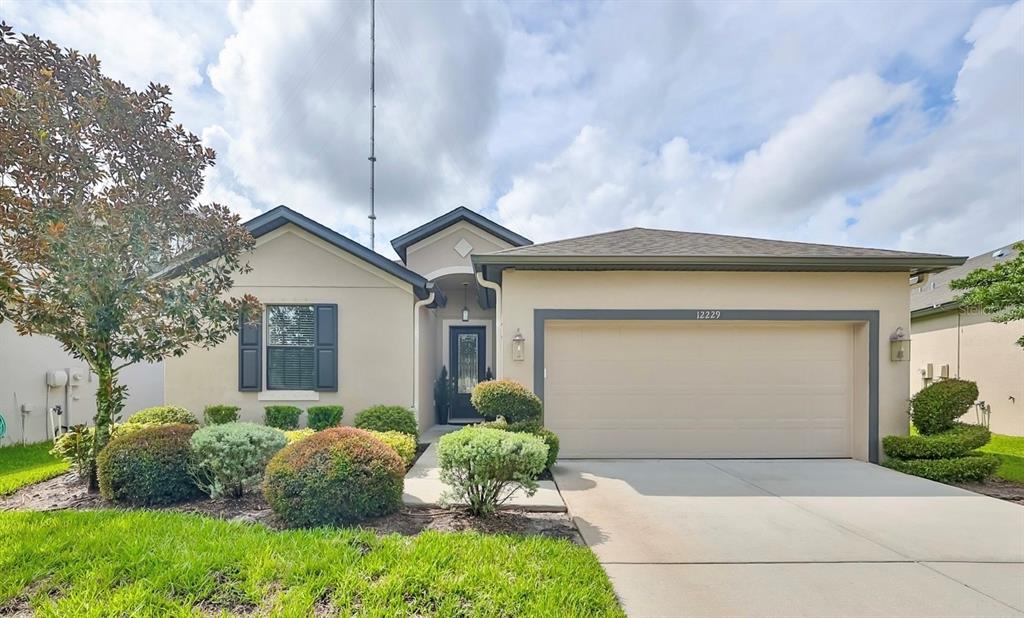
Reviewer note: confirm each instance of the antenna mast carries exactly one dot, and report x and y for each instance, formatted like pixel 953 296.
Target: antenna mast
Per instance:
pixel 373 113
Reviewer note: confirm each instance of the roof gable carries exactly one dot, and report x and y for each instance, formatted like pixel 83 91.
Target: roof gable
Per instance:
pixel 403 242
pixel 934 294
pixel 282 215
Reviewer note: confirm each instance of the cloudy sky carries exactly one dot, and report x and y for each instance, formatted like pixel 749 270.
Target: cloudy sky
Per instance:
pixel 876 124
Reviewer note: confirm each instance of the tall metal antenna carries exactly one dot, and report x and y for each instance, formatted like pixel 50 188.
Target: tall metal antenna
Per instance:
pixel 373 114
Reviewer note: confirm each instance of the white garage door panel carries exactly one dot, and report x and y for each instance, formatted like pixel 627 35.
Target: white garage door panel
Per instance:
pixel 699 389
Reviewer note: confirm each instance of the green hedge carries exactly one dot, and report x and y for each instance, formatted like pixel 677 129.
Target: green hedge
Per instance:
pixel 972 467
pixel 508 399
pixel 282 417
pixel 935 407
pixel 388 418
pixel 220 414
pixel 162 415
pixel 955 442
pixel 322 417
pixel 149 466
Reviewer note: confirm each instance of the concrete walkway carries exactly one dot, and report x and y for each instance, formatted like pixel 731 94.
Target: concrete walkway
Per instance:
pixel 794 538
pixel 423 487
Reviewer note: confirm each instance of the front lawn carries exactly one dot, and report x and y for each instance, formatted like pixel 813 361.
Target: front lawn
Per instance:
pixel 22 465
pixel 1010 449
pixel 92 563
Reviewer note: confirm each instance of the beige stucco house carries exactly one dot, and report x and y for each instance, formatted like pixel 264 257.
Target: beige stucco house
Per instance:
pixel 642 343
pixel 948 341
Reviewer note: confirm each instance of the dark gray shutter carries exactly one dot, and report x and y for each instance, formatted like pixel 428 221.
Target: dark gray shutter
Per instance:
pixel 327 347
pixel 250 370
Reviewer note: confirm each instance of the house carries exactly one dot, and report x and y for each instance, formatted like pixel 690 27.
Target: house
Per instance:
pixel 948 341
pixel 36 374
pixel 642 343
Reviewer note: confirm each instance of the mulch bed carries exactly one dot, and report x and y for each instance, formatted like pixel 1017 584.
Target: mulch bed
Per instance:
pixel 66 492
pixel 997 488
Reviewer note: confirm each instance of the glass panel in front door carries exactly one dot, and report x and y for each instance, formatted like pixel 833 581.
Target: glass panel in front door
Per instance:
pixel 469 369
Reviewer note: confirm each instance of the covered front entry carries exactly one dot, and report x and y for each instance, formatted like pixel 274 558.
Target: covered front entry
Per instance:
pixel 467 348
pixel 701 388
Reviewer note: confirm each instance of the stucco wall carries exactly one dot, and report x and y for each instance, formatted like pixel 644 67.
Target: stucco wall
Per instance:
pixel 524 291
pixel 24 362
pixel 375 329
pixel 978 349
pixel 435 256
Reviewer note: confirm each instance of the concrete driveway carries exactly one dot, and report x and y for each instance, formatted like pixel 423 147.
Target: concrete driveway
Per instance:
pixel 794 538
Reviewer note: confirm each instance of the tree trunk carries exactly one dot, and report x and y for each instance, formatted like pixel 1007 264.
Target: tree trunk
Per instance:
pixel 109 400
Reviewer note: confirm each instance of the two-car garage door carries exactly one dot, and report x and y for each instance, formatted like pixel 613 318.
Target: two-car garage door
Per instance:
pixel 699 388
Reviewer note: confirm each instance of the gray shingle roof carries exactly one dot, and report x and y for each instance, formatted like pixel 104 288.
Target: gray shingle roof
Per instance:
pixel 934 292
pixel 644 242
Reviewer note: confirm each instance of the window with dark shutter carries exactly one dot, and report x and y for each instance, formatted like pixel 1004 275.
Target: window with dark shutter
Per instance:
pixel 249 349
pixel 302 347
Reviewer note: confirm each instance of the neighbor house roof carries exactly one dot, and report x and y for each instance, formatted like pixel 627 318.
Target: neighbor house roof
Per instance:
pixel 642 248
pixel 403 242
pixel 933 295
pixel 282 215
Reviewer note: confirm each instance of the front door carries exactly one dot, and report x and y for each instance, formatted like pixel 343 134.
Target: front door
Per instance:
pixel 467 364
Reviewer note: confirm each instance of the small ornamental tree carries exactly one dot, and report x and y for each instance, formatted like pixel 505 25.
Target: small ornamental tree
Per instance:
pixel 998 291
pixel 102 244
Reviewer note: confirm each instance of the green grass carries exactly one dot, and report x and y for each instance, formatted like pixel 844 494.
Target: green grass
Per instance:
pixel 1010 449
pixel 147 563
pixel 22 465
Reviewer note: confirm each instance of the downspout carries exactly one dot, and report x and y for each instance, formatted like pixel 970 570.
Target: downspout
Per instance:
pixel 499 349
pixel 416 349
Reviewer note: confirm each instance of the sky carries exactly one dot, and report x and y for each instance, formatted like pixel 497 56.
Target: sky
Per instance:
pixel 880 124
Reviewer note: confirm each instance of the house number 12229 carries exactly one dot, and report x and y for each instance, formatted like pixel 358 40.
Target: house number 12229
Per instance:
pixel 709 314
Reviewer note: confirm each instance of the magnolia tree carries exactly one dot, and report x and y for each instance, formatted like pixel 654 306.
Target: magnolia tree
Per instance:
pixel 103 245
pixel 998 291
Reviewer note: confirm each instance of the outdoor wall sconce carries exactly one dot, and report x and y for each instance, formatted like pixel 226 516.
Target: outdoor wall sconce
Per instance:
pixel 518 346
pixel 899 346
pixel 465 302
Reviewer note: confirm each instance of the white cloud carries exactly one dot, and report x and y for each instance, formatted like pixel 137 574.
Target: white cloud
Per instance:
pixel 860 165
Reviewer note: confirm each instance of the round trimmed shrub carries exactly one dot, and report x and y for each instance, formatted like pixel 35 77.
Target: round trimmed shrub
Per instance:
pixel 935 407
pixel 403 443
pixel 229 459
pixel 483 466
pixel 162 415
pixel 506 398
pixel 955 442
pixel 388 418
pixel 551 440
pixel 973 467
pixel 282 417
pixel 335 476
pixel 297 434
pixel 322 417
pixel 220 414
pixel 149 466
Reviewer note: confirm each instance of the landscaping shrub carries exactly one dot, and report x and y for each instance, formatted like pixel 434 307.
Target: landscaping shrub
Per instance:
pixel 322 417
pixel 484 466
pixel 550 439
pixel 220 414
pixel 162 415
pixel 506 398
pixel 388 418
pixel 148 466
pixel 282 417
pixel 403 443
pixel 229 459
pixel 955 442
pixel 75 446
pixel 935 407
pixel 335 476
pixel 971 467
pixel 297 434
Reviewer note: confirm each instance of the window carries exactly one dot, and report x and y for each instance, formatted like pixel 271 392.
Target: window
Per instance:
pixel 291 350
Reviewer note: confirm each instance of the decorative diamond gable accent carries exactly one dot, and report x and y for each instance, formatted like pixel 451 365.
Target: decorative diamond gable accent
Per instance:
pixel 463 248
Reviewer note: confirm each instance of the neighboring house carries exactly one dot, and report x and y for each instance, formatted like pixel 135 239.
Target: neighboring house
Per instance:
pixel 24 365
pixel 642 343
pixel 950 342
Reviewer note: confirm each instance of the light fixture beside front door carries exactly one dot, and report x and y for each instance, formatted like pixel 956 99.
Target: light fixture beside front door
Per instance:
pixel 465 302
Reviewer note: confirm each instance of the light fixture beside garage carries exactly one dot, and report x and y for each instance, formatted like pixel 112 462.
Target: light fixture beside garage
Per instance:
pixel 518 346
pixel 899 345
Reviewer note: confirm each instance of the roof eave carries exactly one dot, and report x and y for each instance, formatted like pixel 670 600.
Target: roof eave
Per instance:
pixel 934 309
pixel 403 242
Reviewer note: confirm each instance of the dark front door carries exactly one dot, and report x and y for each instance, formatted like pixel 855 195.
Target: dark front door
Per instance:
pixel 467 364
